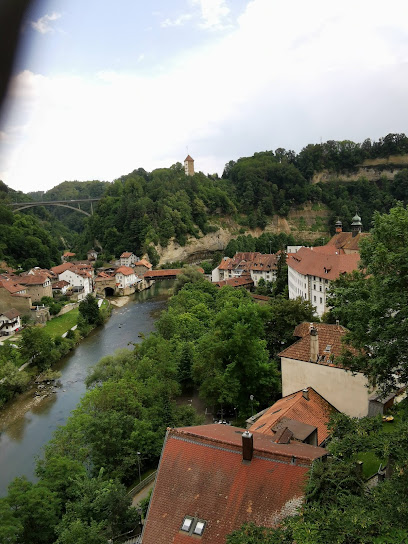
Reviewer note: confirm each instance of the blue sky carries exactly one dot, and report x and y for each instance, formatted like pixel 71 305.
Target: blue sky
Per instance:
pixel 103 87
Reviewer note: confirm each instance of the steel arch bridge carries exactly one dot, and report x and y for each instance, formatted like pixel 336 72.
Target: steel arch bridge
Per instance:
pixel 18 206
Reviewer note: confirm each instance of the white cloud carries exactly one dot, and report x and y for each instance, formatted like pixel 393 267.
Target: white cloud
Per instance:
pixel 179 21
pixel 276 80
pixel 42 25
pixel 213 13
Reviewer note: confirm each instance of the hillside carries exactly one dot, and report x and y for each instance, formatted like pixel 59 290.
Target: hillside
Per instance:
pixel 171 216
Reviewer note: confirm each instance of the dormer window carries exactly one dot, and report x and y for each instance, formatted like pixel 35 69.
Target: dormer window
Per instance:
pixel 193 526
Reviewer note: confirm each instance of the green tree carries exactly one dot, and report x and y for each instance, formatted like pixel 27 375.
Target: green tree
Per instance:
pixel 89 310
pixel 36 345
pixel 373 303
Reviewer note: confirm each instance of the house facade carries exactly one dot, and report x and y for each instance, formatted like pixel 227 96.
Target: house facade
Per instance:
pixel 127 259
pixel 78 279
pixel 257 265
pixel 311 362
pixel 9 322
pixel 37 286
pixel 125 277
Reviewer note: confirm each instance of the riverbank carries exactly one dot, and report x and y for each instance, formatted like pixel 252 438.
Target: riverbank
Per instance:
pixel 28 423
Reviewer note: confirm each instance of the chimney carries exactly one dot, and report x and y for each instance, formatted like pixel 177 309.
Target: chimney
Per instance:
pixel 339 227
pixel 305 393
pixel 314 344
pixel 247 446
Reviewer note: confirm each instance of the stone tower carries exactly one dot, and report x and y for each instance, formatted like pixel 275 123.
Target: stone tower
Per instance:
pixel 189 166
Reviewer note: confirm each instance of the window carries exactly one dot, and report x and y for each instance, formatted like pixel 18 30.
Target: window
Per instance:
pixel 314 298
pixel 321 300
pixel 187 522
pixel 193 526
pixel 314 286
pixel 320 288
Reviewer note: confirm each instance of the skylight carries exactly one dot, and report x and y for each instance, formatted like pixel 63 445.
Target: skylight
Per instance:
pixel 193 526
pixel 187 524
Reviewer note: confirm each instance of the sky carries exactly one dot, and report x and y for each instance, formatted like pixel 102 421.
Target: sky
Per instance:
pixel 102 87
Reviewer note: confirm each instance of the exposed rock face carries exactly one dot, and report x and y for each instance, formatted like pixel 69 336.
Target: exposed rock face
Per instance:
pixel 299 222
pixel 371 169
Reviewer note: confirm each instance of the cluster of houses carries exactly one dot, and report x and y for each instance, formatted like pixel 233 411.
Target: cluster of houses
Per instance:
pixel 214 478
pixel 20 294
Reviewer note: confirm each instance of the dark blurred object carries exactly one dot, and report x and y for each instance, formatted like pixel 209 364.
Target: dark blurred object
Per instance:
pixel 11 17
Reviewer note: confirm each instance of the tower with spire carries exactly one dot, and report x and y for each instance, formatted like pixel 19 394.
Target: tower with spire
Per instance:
pixel 189 166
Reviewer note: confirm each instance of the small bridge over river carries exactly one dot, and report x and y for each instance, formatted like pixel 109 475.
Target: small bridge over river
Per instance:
pixel 166 274
pixel 71 204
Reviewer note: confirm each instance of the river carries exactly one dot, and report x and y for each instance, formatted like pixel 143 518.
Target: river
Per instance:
pixel 27 423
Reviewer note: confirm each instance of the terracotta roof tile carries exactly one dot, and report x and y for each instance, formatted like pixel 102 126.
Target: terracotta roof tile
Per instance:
pixel 329 336
pixel 202 474
pixel 12 287
pixel 11 314
pixel 143 262
pixel 34 279
pixel 126 255
pixel 315 412
pixel 61 268
pixel 247 260
pixel 125 270
pixel 346 240
pixel 189 159
pixel 309 262
pixel 240 281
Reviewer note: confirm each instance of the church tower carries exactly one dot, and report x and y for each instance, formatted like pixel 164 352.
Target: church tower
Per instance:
pixel 189 166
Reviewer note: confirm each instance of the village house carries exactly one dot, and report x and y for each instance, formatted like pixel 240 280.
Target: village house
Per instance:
pixel 305 413
pixel 127 259
pixel 142 266
pixel 213 478
pixel 37 286
pixel 80 280
pixel 61 286
pixel 257 265
pixel 14 296
pixel 125 277
pixel 311 362
pixel 9 322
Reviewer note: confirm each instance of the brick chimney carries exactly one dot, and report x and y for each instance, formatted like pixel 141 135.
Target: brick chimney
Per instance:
pixel 247 446
pixel 314 344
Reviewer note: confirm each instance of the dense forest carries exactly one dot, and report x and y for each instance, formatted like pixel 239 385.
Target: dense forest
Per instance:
pixel 143 210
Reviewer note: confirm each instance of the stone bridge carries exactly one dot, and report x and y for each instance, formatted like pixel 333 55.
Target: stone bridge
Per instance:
pixel 71 204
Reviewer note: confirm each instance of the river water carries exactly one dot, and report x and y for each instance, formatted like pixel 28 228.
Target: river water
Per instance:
pixel 28 423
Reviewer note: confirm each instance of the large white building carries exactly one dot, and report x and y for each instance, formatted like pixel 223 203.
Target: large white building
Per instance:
pixel 310 272
pixel 78 278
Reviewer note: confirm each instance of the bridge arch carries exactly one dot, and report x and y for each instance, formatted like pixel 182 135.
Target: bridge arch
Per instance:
pixel 48 204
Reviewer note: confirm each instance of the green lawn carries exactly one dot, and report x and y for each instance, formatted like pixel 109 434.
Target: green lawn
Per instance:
pixel 59 325
pixel 371 462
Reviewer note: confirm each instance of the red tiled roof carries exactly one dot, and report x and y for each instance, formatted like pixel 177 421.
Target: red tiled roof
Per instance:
pixel 69 254
pixel 328 335
pixel 315 411
pixel 59 284
pixel 202 474
pixel 34 279
pixel 125 270
pixel 143 262
pixel 247 260
pixel 126 255
pixel 12 287
pixel 346 240
pixel 61 268
pixel 260 297
pixel 309 262
pixel 188 158
pixel 11 314
pixel 240 281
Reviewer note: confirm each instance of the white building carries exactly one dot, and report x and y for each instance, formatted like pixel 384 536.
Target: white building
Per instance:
pixel 77 278
pixel 125 277
pixel 310 272
pixel 258 265
pixel 9 322
pixel 127 259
